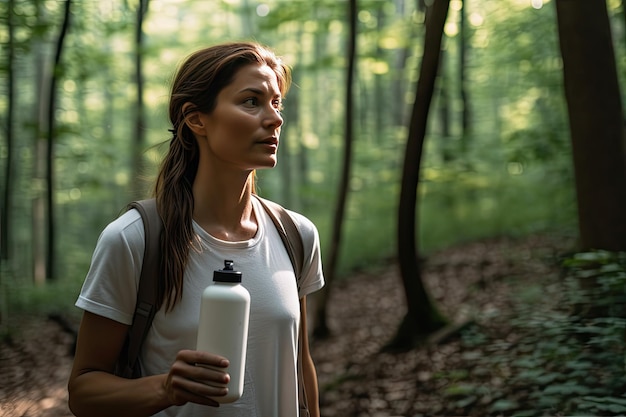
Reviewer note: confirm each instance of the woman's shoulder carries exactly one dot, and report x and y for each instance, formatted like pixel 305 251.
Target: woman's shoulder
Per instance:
pixel 306 228
pixel 304 224
pixel 128 228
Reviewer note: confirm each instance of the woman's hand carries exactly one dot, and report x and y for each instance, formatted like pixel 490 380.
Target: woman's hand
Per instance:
pixel 95 392
pixel 196 377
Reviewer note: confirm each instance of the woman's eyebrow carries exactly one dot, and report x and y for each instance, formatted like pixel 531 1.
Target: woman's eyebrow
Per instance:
pixel 258 91
pixel 251 90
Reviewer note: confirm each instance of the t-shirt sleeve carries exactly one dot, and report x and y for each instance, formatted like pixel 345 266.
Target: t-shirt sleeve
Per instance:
pixel 110 288
pixel 312 274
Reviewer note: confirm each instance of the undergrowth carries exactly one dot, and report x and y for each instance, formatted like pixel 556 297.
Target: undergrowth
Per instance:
pixel 561 358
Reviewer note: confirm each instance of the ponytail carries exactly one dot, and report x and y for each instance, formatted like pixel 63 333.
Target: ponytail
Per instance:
pixel 174 201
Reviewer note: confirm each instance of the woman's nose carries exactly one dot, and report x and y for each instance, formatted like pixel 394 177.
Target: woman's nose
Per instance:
pixel 274 117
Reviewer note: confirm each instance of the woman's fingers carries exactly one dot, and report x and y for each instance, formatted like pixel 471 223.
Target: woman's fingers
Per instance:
pixel 197 376
pixel 183 390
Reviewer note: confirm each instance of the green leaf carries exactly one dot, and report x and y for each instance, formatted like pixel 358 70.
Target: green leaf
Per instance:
pixel 614 400
pixel 460 390
pixel 465 402
pixel 566 389
pixel 503 405
pixel 547 379
pixel 579 365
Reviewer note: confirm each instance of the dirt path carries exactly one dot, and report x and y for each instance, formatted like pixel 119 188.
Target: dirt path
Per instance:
pixel 35 365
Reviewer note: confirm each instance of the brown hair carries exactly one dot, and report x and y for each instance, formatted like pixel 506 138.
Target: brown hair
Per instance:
pixel 198 81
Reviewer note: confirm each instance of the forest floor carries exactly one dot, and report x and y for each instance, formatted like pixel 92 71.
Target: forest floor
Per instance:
pixel 481 285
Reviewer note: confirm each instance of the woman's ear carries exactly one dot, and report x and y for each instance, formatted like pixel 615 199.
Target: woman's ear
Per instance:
pixel 193 120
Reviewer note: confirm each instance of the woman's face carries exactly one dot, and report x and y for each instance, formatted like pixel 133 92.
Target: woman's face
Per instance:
pixel 243 129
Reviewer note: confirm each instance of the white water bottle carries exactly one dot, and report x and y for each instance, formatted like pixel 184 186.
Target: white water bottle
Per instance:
pixel 223 325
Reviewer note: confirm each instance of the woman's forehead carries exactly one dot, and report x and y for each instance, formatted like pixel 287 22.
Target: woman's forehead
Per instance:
pixel 255 76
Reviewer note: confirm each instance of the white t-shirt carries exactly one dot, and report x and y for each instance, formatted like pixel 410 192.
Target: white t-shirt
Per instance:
pixel 270 387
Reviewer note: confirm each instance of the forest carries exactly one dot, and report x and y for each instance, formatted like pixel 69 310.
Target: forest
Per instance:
pixel 463 160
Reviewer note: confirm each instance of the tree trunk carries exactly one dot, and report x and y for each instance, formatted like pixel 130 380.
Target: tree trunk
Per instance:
pixel 56 73
pixel 381 100
pixel 321 328
pixel 595 120
pixel 140 137
pixel 7 186
pixel 465 101
pixel 38 219
pixel 447 155
pixel 398 83
pixel 422 317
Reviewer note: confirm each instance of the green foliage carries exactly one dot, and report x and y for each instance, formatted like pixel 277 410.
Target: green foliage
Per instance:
pixel 480 204
pixel 558 359
pixel 597 283
pixel 21 298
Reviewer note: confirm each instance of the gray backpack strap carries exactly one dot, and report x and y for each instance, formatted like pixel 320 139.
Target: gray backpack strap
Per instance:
pixel 147 293
pixel 289 234
pixel 292 240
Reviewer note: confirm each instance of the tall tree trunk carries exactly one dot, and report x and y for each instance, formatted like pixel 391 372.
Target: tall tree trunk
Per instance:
pixel 321 328
pixel 38 221
pixel 140 136
pixel 466 127
pixel 9 170
pixel 7 186
pixel 596 122
pixel 398 83
pixel 38 218
pixel 382 100
pixel 444 110
pixel 422 317
pixel 56 73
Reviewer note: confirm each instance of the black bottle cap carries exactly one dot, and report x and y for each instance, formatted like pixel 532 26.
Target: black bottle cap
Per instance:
pixel 228 274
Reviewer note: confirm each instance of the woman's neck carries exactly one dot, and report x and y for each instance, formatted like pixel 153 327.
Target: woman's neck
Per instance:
pixel 224 209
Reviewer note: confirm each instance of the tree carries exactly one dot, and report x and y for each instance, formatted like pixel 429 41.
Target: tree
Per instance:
pixel 139 139
pixel 9 169
pixel 465 101
pixel 422 317
pixel 321 327
pixel 596 122
pixel 398 85
pixel 50 136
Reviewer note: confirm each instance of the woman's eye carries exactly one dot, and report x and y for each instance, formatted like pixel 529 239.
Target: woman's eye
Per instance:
pixel 251 102
pixel 278 105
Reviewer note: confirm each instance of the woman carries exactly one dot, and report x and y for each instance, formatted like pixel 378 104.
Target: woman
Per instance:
pixel 225 109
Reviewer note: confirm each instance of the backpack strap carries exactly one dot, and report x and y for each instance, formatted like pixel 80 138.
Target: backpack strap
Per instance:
pixel 147 293
pixel 289 234
pixel 292 239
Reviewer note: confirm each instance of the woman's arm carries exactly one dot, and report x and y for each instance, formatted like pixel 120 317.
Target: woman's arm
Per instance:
pixel 308 367
pixel 94 390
